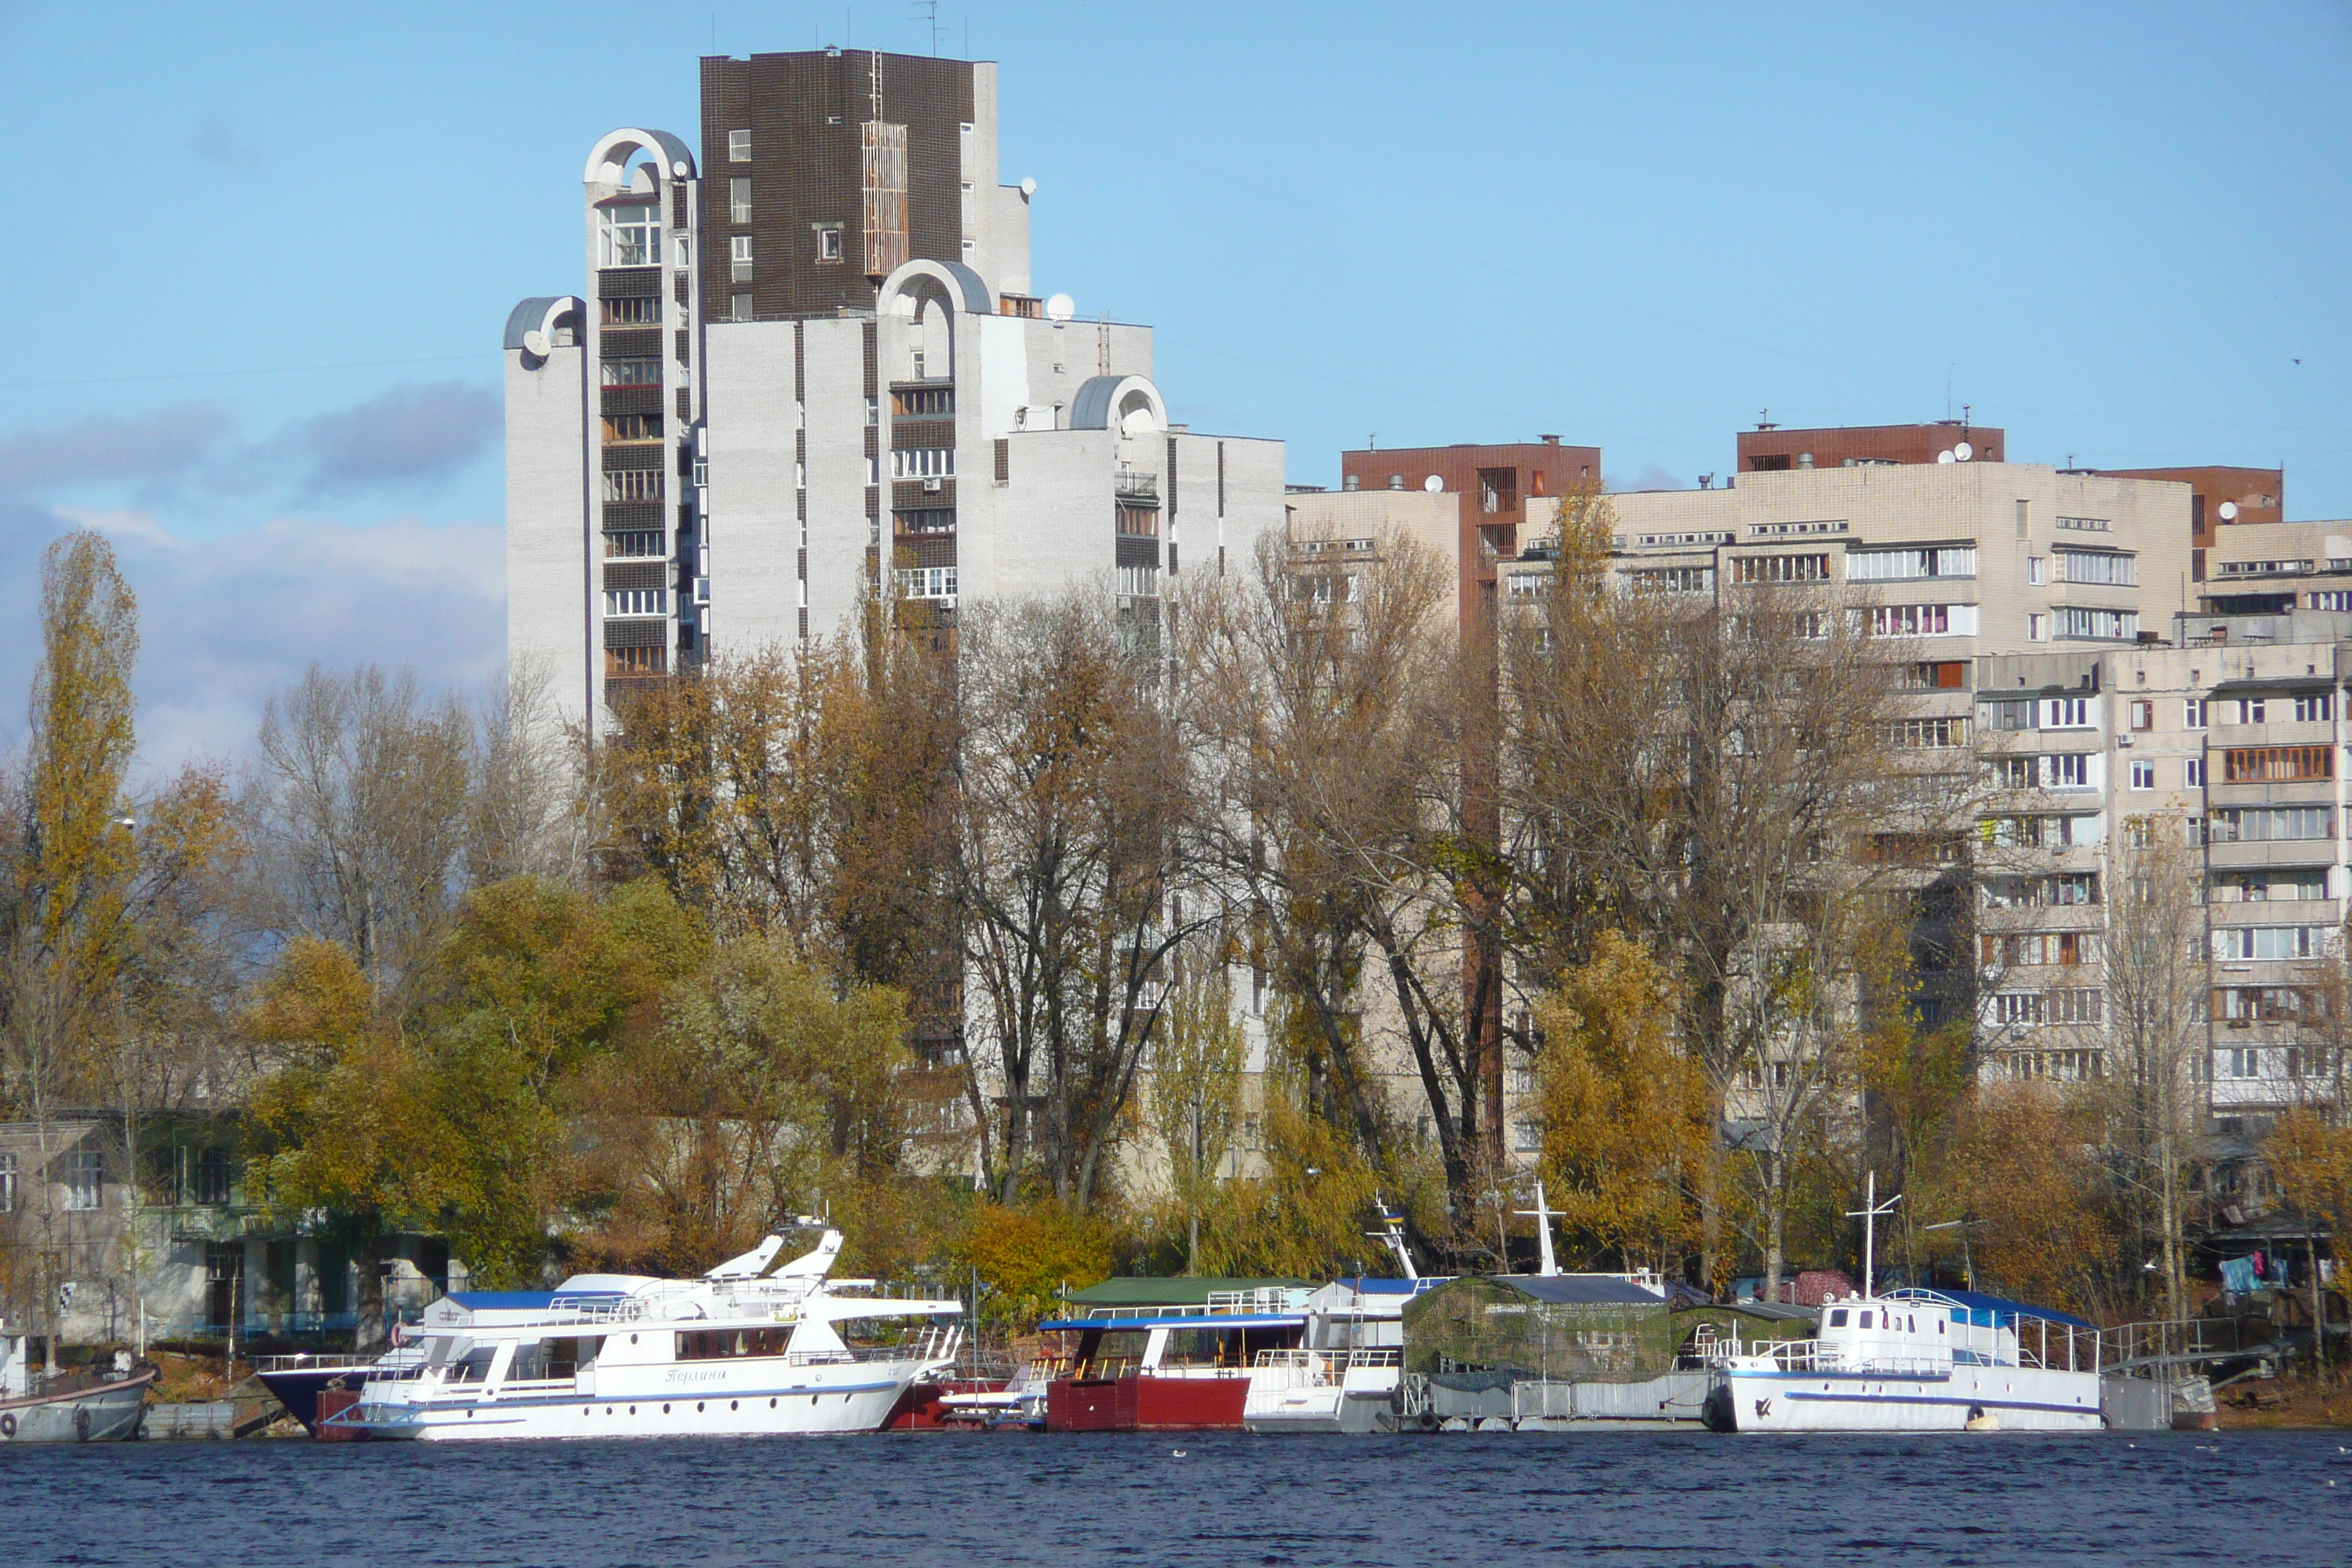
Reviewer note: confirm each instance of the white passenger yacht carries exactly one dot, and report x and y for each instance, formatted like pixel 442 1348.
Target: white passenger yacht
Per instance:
pixel 1912 1361
pixel 748 1349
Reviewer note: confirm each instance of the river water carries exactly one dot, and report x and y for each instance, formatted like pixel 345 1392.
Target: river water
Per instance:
pixel 971 1500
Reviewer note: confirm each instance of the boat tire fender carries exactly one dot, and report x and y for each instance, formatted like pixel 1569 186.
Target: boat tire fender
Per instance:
pixel 9 1424
pixel 81 1423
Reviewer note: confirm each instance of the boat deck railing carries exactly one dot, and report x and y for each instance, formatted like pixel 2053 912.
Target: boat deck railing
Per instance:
pixel 1830 1356
pixel 1318 1369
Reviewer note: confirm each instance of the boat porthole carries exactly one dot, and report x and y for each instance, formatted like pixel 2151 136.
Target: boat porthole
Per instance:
pixel 9 1424
pixel 698 1407
pixel 772 1405
pixel 734 1404
pixel 632 1410
pixel 469 1415
pixel 632 1338
pixel 664 1409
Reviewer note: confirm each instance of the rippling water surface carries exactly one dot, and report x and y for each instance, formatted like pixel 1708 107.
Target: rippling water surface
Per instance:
pixel 2266 1497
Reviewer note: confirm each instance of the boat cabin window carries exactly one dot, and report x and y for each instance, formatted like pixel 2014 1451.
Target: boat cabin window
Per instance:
pixel 723 1344
pixel 474 1365
pixel 554 1358
pixel 1865 1320
pixel 1837 1317
pixel 1939 1325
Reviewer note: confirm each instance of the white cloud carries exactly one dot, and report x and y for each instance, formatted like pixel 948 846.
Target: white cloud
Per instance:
pixel 224 619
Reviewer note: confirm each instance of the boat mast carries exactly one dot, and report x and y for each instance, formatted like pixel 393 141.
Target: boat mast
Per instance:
pixel 1868 1213
pixel 1541 1214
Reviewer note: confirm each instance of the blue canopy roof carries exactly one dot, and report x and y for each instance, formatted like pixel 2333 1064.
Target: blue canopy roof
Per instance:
pixel 1990 1311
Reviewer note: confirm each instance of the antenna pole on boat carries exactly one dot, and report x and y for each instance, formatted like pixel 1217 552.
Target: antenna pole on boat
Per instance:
pixel 1868 1213
pixel 1541 1214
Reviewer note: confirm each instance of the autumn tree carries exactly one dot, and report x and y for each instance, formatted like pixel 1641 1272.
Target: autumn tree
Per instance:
pixel 1624 1110
pixel 1194 1093
pixel 1080 870
pixel 1328 694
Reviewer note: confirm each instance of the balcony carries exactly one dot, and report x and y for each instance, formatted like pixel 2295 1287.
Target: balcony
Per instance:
pixel 1133 486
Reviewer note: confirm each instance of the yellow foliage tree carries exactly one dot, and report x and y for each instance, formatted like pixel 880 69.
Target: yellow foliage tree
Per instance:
pixel 1027 1257
pixel 1625 1125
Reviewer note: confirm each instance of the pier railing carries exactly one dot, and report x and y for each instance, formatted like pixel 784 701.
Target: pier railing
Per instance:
pixel 2181 1343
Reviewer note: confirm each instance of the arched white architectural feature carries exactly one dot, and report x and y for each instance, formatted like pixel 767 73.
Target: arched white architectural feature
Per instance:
pixel 609 164
pixel 1129 404
pixel 967 293
pixel 532 326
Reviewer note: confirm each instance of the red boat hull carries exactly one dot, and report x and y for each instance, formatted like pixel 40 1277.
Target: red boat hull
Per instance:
pixel 918 1408
pixel 1145 1403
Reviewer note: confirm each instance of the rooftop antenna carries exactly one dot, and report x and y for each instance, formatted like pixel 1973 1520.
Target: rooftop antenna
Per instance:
pixel 1868 1213
pixel 928 13
pixel 1541 1214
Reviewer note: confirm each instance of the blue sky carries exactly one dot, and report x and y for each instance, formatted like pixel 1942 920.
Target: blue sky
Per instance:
pixel 269 250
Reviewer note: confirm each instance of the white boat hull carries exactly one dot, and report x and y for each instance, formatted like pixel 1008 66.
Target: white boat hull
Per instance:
pixel 2012 1398
pixel 807 1406
pixel 1365 1402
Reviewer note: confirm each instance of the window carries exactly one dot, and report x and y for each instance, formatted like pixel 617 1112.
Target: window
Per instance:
pixel 2081 524
pixel 2015 1009
pixel 2270 824
pixel 2277 764
pixel 828 242
pixel 1923 620
pixel 2113 626
pixel 7 1184
pixel 2066 770
pixel 2266 1004
pixel 738 146
pixel 632 484
pixel 739 255
pixel 2333 599
pixel 2269 941
pixel 2066 713
pixel 2037 628
pixel 1139 582
pixel 2076 1006
pixel 925 520
pixel 2033 569
pixel 2101 566
pixel 633 427
pixel 738 308
pixel 2143 715
pixel 1905 565
pixel 1930 734
pixel 1780 569
pixel 2011 772
pixel 215 1174
pixel 2192 713
pixel 2014 713
pixel 630 234
pixel 636 602
pixel 631 372
pixel 922 403
pixel 2042 832
pixel 2143 775
pixel 922 462
pixel 738 201
pixel 640 310
pixel 2065 948
pixel 2315 709
pixel 1945 675
pixel 2253 710
pixel 2240 1061
pixel 633 663
pixel 85 1174
pixel 1527 1137
pixel 719 1344
pixel 927 583
pixel 1675 579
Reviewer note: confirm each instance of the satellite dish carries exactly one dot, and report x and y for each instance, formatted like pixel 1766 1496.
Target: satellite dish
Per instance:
pixel 1432 483
pixel 1028 188
pixel 2229 511
pixel 1948 458
pixel 1963 452
pixel 1061 308
pixel 678 169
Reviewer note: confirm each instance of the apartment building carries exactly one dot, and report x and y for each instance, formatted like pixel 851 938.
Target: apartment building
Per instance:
pixel 809 365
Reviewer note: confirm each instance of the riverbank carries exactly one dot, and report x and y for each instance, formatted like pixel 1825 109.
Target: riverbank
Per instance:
pixel 2286 1403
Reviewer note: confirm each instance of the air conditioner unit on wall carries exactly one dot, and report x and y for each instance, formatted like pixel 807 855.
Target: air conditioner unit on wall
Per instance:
pixel 932 483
